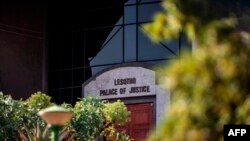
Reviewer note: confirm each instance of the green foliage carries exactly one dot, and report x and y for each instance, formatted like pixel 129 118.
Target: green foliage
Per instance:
pixel 208 91
pixel 204 26
pixel 92 118
pixel 88 118
pixel 7 118
pixel 20 117
pixel 38 101
pixel 32 127
pixel 112 134
pixel 116 113
pixel 35 103
pixel 210 87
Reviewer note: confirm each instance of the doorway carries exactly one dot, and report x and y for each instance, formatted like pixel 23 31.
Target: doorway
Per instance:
pixel 141 122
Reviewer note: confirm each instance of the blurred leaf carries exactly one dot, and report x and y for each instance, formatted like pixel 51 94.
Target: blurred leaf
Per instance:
pixel 210 87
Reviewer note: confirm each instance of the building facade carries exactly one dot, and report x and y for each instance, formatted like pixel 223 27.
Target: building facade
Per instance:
pixel 124 67
pixel 78 49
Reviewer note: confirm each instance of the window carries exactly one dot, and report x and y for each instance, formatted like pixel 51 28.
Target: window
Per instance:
pixel 81 43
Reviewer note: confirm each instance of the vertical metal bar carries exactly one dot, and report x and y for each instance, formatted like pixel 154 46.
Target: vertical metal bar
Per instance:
pixel 137 26
pixel 123 35
pixel 72 66
pixel 84 53
pixel 60 65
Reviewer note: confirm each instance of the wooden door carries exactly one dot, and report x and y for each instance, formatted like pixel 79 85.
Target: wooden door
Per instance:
pixel 141 121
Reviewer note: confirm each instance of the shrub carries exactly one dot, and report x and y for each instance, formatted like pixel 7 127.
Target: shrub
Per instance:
pixel 8 119
pixel 88 118
pixel 92 118
pixel 116 113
